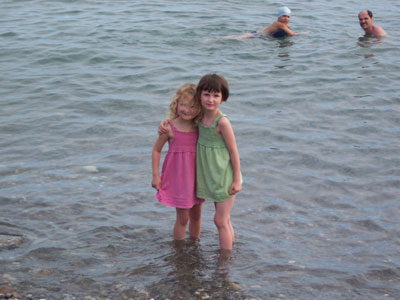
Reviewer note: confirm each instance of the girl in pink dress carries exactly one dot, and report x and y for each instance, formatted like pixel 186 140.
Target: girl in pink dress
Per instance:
pixel 176 186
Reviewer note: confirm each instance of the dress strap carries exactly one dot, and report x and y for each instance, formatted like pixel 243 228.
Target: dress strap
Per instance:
pixel 217 119
pixel 172 126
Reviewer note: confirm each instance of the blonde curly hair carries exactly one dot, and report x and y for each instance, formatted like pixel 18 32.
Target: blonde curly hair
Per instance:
pixel 186 90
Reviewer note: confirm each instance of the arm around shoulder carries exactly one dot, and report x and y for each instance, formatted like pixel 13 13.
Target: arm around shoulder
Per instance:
pixel 164 127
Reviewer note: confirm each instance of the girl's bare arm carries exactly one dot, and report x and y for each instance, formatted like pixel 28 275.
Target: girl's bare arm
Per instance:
pixel 225 129
pixel 156 157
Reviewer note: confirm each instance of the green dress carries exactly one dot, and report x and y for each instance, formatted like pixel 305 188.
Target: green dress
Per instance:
pixel 214 171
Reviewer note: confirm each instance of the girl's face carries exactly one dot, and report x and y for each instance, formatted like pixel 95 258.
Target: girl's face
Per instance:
pixel 210 100
pixel 186 109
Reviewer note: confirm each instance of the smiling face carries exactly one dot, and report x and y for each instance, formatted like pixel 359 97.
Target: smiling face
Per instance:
pixel 186 108
pixel 210 100
pixel 365 20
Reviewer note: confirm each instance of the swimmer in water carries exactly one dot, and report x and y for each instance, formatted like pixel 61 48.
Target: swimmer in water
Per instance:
pixel 366 20
pixel 279 28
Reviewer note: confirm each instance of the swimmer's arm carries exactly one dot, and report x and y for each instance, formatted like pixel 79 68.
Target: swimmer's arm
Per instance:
pixel 243 36
pixel 287 29
pixel 296 33
pixel 303 32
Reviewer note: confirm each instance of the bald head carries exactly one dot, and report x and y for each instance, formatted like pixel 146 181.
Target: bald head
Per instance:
pixel 366 11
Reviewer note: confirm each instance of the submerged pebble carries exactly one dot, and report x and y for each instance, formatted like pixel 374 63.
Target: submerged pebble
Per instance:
pixel 9 241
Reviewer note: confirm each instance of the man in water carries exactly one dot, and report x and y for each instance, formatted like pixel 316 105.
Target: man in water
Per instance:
pixel 279 28
pixel 366 19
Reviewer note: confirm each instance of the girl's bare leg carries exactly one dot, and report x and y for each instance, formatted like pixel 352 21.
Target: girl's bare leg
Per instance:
pixel 195 221
pixel 232 231
pixel 223 222
pixel 182 217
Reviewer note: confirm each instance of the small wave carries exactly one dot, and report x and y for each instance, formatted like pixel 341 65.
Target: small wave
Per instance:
pixel 8 34
pixel 47 254
pixel 90 169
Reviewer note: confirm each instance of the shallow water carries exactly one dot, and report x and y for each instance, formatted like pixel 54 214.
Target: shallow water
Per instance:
pixel 84 85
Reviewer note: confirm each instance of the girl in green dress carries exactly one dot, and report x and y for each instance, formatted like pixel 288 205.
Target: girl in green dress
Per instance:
pixel 218 175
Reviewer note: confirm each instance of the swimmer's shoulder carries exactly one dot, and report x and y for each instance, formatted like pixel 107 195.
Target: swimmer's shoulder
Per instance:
pixel 268 29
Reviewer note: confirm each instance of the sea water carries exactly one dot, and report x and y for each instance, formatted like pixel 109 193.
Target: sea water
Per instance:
pixel 84 85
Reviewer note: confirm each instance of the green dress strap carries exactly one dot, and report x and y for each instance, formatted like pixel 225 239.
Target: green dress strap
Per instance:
pixel 214 124
pixel 208 136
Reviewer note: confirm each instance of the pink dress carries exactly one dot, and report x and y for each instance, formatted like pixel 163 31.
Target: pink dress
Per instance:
pixel 178 174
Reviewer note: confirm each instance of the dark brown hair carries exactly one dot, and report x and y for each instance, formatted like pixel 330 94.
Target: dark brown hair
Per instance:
pixel 213 83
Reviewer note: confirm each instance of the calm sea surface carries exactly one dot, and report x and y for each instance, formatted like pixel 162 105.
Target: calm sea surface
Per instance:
pixel 84 85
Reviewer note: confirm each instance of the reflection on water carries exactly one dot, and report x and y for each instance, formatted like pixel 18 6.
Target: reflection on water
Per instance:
pixel 283 55
pixel 285 42
pixel 191 275
pixel 367 41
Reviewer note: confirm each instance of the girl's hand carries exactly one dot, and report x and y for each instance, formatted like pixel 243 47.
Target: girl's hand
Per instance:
pixel 156 182
pixel 235 188
pixel 163 127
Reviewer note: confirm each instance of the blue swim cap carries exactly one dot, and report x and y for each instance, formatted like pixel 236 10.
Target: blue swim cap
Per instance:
pixel 284 11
